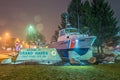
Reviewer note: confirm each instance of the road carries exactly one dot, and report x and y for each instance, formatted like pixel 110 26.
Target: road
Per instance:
pixel 6 54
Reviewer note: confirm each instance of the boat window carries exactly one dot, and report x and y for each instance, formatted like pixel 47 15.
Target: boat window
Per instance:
pixel 71 30
pixel 62 32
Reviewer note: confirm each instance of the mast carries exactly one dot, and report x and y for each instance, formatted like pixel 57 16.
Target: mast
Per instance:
pixel 78 15
pixel 67 21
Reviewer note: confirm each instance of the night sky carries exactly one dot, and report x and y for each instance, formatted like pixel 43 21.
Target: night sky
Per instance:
pixel 15 15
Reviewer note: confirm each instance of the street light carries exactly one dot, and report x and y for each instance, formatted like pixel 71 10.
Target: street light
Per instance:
pixel 30 34
pixel 31 29
pixel 0 38
pixel 7 35
pixel 17 40
pixel 0 42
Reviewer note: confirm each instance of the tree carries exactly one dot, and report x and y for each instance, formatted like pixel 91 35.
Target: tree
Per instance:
pixel 40 39
pixel 75 12
pixel 63 21
pixel 95 17
pixel 78 15
pixel 63 24
pixel 55 36
pixel 87 11
pixel 86 17
pixel 33 35
pixel 104 24
pixel 30 34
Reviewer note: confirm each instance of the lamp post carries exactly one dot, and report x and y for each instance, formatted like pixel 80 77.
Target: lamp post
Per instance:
pixel 6 38
pixel 31 34
pixel 0 38
pixel 0 42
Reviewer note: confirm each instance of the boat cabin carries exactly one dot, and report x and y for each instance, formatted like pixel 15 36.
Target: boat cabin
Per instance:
pixel 68 31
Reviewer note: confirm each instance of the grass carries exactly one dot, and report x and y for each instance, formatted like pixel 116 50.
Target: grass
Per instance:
pixel 42 72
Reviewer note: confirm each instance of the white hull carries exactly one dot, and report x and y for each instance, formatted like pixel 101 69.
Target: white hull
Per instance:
pixel 85 42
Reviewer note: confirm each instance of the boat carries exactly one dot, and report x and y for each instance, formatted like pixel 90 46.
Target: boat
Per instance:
pixel 72 45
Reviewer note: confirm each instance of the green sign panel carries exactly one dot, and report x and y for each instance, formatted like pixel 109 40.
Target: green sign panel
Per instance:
pixel 41 56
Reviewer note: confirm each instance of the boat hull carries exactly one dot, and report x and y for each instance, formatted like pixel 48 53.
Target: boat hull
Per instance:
pixel 74 50
pixel 64 53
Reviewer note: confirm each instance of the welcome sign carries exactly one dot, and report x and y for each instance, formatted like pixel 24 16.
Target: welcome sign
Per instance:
pixel 41 56
pixel 34 54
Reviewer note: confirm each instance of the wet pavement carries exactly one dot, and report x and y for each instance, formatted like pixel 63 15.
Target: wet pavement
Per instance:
pixel 6 54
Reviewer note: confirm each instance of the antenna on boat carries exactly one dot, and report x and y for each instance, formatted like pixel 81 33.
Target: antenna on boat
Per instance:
pixel 78 15
pixel 67 21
